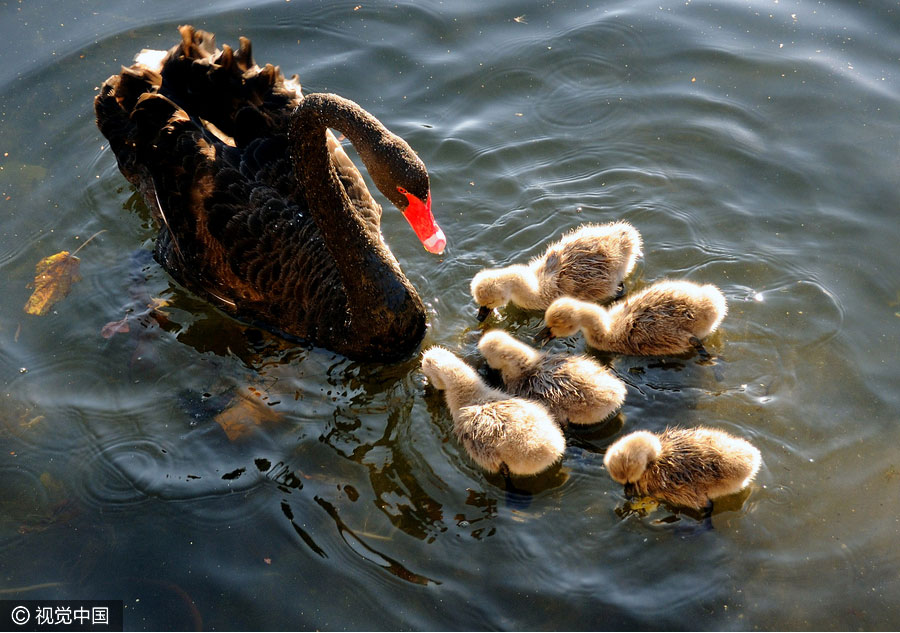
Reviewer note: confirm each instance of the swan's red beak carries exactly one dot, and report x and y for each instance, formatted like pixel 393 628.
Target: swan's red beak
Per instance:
pixel 418 214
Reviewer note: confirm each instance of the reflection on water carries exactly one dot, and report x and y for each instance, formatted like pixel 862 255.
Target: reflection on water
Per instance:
pixel 215 476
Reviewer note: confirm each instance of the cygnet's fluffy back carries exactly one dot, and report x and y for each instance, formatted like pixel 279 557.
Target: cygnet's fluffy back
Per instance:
pixel 576 389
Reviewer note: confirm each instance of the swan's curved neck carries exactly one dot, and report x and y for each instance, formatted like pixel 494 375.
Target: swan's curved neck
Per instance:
pixel 327 199
pixel 383 305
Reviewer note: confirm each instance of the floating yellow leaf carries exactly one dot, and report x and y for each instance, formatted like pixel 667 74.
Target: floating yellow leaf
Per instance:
pixel 53 280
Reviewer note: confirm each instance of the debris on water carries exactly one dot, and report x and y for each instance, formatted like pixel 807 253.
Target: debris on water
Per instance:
pixel 245 415
pixel 53 280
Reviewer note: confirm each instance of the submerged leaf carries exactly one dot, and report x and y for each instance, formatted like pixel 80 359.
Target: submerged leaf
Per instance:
pixel 52 484
pixel 59 514
pixel 147 317
pixel 639 506
pixel 115 327
pixel 53 279
pixel 27 424
pixel 243 416
pixel 644 505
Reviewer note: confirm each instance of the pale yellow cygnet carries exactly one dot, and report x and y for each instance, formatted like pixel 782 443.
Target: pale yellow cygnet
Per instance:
pixel 500 433
pixel 590 262
pixel 575 388
pixel 669 317
pixel 685 467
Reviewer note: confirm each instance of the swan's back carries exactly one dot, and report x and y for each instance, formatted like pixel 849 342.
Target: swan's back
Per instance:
pixel 246 102
pixel 220 208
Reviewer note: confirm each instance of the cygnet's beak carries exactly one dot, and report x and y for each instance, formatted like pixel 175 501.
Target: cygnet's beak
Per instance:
pixel 630 490
pixel 543 336
pixel 483 313
pixel 419 216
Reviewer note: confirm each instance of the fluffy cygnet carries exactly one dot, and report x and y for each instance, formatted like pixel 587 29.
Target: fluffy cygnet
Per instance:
pixel 589 262
pixel 576 389
pixel 669 317
pixel 685 467
pixel 501 433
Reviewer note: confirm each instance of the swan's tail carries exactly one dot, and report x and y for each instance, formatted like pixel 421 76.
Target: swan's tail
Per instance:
pixel 113 107
pixel 146 131
pixel 227 88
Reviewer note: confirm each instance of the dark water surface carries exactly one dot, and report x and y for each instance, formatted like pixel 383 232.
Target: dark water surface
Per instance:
pixel 755 145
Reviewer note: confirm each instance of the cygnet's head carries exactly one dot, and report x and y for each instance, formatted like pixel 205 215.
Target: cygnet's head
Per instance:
pixel 629 240
pixel 490 288
pixel 502 351
pixel 561 317
pixel 436 362
pixel 627 459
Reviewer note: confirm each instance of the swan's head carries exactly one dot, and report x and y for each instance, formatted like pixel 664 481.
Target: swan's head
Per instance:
pixel 418 214
pixel 627 459
pixel 396 170
pixel 401 176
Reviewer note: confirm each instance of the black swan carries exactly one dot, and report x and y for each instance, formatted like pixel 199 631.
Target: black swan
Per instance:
pixel 259 208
